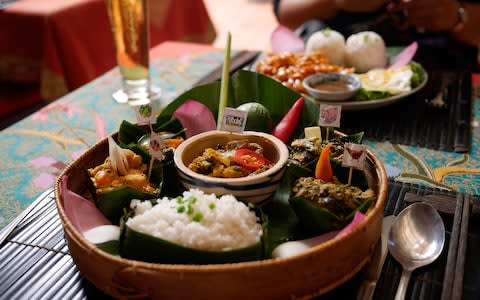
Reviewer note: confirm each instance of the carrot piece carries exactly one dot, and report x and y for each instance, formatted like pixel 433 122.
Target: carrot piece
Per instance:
pixel 323 169
pixel 173 142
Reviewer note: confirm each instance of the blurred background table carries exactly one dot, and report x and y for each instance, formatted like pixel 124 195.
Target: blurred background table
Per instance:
pixel 51 47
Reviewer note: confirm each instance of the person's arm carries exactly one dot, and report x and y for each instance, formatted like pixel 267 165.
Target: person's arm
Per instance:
pixel 293 13
pixel 443 16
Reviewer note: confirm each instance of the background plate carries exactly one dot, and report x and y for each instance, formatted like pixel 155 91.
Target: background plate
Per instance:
pixel 370 104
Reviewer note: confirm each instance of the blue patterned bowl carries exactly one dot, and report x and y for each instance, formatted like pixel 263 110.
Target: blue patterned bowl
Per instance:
pixel 254 188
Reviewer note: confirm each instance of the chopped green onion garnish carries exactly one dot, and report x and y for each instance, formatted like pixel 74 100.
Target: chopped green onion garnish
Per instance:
pixel 197 217
pixel 211 206
pixel 181 209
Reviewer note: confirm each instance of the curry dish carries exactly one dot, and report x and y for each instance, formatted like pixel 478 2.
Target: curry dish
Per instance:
pixel 233 160
pixel 105 178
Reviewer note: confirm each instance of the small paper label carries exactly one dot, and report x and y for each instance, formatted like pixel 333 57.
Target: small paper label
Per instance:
pixel 156 146
pixel 146 113
pixel 354 156
pixel 234 120
pixel 330 115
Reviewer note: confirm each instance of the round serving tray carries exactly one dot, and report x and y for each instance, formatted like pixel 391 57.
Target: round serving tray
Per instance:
pixel 303 276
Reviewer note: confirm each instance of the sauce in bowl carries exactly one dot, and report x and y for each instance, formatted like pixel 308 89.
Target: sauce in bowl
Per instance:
pixel 333 86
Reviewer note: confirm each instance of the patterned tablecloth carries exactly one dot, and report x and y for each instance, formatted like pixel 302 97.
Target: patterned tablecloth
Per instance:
pixel 36 149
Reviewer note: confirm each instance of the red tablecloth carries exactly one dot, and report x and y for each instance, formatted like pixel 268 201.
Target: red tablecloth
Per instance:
pixel 55 46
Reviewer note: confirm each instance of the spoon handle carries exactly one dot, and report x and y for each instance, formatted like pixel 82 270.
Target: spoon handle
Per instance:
pixel 402 286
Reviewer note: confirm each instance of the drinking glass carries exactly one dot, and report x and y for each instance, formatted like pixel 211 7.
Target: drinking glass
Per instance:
pixel 129 23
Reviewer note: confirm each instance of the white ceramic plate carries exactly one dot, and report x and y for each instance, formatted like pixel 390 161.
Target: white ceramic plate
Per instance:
pixel 370 104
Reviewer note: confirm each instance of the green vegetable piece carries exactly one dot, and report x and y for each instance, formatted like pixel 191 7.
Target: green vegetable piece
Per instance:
pixel 197 217
pixel 418 73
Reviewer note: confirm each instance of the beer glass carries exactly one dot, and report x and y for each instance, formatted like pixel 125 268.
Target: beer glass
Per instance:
pixel 129 23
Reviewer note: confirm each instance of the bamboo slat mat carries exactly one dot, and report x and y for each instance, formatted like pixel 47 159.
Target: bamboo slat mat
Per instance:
pixel 437 117
pixel 35 261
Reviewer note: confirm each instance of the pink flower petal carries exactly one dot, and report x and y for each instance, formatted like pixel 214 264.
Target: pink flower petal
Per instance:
pixel 83 214
pixel 357 219
pixel 285 40
pixel 195 118
pixel 405 56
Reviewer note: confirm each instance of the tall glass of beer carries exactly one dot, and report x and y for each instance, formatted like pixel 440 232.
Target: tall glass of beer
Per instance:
pixel 129 23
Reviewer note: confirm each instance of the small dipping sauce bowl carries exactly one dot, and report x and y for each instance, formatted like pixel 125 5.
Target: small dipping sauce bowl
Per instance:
pixel 332 86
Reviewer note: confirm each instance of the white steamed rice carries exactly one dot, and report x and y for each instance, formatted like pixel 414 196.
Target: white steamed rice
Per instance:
pixel 330 42
pixel 225 222
pixel 365 51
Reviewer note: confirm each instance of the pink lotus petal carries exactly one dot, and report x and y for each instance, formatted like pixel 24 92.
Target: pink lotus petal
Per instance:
pixel 82 213
pixel 404 57
pixel 100 124
pixel 285 40
pixel 195 118
pixel 357 219
pixel 44 180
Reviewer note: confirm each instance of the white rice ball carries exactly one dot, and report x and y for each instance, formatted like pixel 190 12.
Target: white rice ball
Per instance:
pixel 330 42
pixel 366 51
pixel 199 221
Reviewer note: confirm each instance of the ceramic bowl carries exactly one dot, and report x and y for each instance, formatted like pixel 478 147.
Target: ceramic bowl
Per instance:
pixel 332 86
pixel 254 188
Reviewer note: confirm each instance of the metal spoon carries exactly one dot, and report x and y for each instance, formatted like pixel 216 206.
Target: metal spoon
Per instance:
pixel 416 239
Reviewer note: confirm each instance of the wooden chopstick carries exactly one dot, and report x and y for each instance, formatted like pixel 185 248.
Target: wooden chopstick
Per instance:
pixel 457 288
pixel 448 280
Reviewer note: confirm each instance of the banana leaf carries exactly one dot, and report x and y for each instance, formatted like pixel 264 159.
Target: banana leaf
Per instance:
pixel 144 247
pixel 317 220
pixel 246 86
pixel 129 136
pixel 113 203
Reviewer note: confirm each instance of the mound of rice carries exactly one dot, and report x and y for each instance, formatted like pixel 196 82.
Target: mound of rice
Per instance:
pixel 365 51
pixel 199 221
pixel 330 42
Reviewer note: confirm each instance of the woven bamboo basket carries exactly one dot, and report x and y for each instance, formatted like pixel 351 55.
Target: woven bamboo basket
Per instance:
pixel 303 276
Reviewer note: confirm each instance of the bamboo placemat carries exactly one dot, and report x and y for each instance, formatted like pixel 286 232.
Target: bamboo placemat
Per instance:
pixel 35 261
pixel 437 117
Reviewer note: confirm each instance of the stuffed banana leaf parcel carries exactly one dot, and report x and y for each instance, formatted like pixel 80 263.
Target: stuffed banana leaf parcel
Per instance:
pixel 320 194
pixel 127 173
